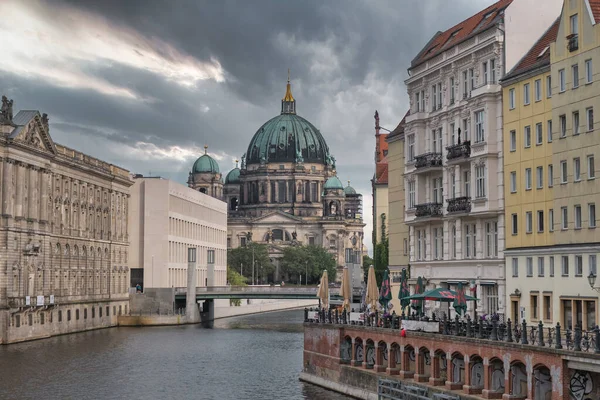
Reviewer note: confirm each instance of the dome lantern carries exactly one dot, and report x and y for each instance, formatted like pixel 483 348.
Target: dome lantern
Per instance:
pixel 288 104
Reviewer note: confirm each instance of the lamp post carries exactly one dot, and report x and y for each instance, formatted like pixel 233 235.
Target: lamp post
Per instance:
pixel 592 281
pixel 305 273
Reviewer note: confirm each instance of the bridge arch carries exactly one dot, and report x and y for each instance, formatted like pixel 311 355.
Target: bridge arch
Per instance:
pixel 496 375
pixel 542 382
pixel 358 349
pixel 456 370
pixel 370 353
pixel 517 379
pixel 476 372
pixel 382 354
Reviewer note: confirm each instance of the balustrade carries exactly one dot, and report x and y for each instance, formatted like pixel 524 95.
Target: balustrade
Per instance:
pixel 428 160
pixel 428 210
pixel 459 204
pixel 461 150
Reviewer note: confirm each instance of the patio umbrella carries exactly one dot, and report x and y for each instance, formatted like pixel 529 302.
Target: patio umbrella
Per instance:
pixel 323 292
pixel 404 291
pixel 439 294
pixel 372 291
pixel 418 304
pixel 345 290
pixel 385 293
pixel 460 301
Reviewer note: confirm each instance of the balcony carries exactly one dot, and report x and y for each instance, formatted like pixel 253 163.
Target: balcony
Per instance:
pixel 459 205
pixel 488 86
pixel 573 42
pixel 428 210
pixel 428 160
pixel 461 150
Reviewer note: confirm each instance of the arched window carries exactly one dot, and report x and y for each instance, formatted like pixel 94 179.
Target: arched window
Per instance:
pixel 233 204
pixel 203 190
pixel 277 234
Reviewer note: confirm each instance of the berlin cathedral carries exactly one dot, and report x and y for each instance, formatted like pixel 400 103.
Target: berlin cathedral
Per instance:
pixel 286 191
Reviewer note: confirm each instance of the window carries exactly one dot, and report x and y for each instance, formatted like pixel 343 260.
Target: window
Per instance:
pixel 547 308
pixel 578 265
pixel 592 215
pixel 452 185
pixel 549 133
pixel 534 306
pixel 590 119
pixel 592 264
pixel 515 267
pixel 421 252
pixel 589 73
pixel 527 178
pixel 563 171
pixel 515 224
pixel 418 101
pixel 551 265
pixel 452 134
pixel 453 242
pixel 480 181
pixel 561 80
pixel 465 83
pixel 479 126
pixel 311 240
pixel 551 220
pixel 539 134
pixel 472 78
pixel 528 222
pixel 493 70
pixel 539 177
pixel 470 240
pixel 563 125
pixel 491 239
pixel 527 136
pixel 466 129
pixel 452 96
pixel 526 98
pixel 529 264
pixel 540 266
pixel 577 217
pixel 538 90
pixel 484 66
pixel 591 168
pixel 574 24
pixel 467 182
pixel 540 221
pixel 411 195
pixel 434 97
pixel 438 243
pixel 513 140
pixel 549 86
pixel 210 254
pixel 511 99
pixel 243 241
pixel 410 139
pixel 565 265
pixel 576 123
pixel 422 100
pixel 564 218
pixel 513 182
pixel 576 169
pixel 575 71
pixel 437 190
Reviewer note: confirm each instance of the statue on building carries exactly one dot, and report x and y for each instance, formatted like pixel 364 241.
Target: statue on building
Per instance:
pixel 294 235
pixel 46 122
pixel 299 158
pixel 244 161
pixel 6 111
pixel 249 236
pixel 269 237
pixel 333 208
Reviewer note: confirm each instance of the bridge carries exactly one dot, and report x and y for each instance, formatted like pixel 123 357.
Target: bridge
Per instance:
pixel 261 292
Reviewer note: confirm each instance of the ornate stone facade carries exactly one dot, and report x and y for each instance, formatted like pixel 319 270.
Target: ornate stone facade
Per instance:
pixel 63 234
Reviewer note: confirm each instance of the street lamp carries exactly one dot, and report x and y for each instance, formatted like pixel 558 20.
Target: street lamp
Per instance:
pixel 592 281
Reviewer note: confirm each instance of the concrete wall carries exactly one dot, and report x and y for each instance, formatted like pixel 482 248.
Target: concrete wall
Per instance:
pixel 278 305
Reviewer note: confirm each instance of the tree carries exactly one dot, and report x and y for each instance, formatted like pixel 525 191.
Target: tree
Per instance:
pixel 367 262
pixel 235 279
pixel 240 260
pixel 303 260
pixel 381 253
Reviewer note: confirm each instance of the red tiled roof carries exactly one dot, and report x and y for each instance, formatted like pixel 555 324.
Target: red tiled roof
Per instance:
pixel 381 172
pixel 534 57
pixel 595 6
pixel 442 41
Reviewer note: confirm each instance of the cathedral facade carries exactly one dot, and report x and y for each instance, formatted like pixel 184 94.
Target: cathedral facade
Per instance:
pixel 286 192
pixel 63 234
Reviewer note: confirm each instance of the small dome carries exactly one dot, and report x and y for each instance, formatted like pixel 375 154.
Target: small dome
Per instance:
pixel 205 164
pixel 349 189
pixel 233 176
pixel 333 183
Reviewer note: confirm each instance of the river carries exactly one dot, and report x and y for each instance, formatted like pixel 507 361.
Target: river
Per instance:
pixel 251 357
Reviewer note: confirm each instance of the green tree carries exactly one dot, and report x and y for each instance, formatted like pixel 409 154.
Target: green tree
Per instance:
pixel 381 253
pixel 367 262
pixel 240 260
pixel 302 260
pixel 235 279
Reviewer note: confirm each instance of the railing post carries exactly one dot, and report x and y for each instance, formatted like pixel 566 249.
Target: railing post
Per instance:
pixel 446 323
pixel 337 316
pixel 541 334
pixel 509 337
pixel 457 326
pixel 305 314
pixel 494 335
pixel 577 344
pixel 480 329
pixel 597 340
pixel 469 326
pixel 558 337
pixel 524 333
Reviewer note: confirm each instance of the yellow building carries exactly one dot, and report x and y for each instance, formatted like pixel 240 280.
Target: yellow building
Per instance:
pixel 549 173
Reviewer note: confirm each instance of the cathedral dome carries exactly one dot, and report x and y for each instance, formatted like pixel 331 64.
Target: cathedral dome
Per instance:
pixel 205 164
pixel 233 176
pixel 349 190
pixel 333 183
pixel 288 138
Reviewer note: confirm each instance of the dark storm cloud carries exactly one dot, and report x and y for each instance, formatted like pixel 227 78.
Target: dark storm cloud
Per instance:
pixel 347 57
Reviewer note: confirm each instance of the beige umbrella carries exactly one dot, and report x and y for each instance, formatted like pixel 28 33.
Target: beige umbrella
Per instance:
pixel 372 295
pixel 345 290
pixel 323 292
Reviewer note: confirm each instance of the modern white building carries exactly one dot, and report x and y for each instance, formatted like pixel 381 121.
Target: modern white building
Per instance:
pixel 453 150
pixel 166 218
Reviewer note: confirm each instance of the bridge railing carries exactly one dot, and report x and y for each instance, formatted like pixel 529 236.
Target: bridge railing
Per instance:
pixel 262 290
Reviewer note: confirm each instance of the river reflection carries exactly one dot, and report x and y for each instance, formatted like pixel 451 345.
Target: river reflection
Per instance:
pixel 253 357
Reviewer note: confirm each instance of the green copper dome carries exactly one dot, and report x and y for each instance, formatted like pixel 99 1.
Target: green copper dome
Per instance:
pixel 233 176
pixel 333 183
pixel 205 164
pixel 349 189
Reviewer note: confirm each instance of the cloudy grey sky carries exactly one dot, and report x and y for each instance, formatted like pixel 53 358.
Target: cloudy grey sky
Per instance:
pixel 145 84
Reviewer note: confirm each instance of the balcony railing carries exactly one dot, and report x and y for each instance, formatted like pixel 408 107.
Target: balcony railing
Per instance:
pixel 461 150
pixel 428 210
pixel 573 42
pixel 428 160
pixel 459 204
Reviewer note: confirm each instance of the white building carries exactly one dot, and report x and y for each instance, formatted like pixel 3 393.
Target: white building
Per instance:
pixel 166 218
pixel 454 160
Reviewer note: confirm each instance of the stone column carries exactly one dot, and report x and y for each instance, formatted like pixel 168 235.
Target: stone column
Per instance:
pixel 420 368
pixel 378 367
pixel 449 371
pixel 392 368
pixel 354 362
pixel 467 387
pixel 19 189
pixel 435 379
pixel 268 191
pixel 487 390
pixel 404 368
pixel 191 312
pixel 44 183
pixel 34 202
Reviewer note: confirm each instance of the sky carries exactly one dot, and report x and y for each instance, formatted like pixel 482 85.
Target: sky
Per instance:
pixel 145 84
